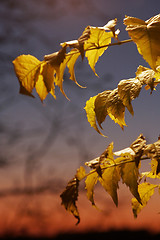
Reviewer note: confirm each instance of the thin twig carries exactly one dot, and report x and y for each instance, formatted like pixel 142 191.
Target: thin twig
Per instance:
pixel 115 165
pixel 99 47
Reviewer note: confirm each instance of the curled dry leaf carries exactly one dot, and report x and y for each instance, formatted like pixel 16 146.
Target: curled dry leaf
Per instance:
pixel 128 90
pixel 138 146
pixel 70 196
pixel 109 103
pixel 153 152
pixel 111 27
pixel 113 102
pixel 146 76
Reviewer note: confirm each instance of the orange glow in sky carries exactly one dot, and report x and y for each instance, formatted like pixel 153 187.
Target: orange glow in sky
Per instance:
pixel 42 215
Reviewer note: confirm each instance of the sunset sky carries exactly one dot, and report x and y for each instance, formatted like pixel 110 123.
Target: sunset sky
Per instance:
pixel 42 145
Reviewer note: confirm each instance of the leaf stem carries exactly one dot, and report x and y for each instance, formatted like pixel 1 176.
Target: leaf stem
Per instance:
pixel 115 165
pixel 99 47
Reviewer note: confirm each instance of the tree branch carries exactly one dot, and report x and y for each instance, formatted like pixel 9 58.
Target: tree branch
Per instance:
pixel 107 45
pixel 114 165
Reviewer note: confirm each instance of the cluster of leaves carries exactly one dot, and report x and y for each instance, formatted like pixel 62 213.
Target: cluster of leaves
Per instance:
pixel 110 168
pixel 146 35
pixel 45 75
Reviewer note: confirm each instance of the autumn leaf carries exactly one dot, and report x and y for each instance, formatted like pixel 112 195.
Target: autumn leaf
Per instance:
pixel 111 26
pixel 109 180
pixel 107 154
pixel 109 103
pixel 146 76
pixel 116 109
pixel 146 35
pixel 105 103
pixel 155 167
pixel 151 174
pixel 90 182
pixel 45 81
pixel 58 62
pixel 138 146
pixel 91 115
pixel 110 175
pixel 93 46
pixel 81 173
pixel 153 152
pixel 135 151
pixel 71 59
pixel 70 196
pixel 146 190
pixel 129 173
pixel 78 44
pixel 128 90
pixel 157 73
pixel 27 70
pixel 100 109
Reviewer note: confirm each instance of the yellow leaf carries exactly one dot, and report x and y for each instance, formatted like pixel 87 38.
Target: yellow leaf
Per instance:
pixel 116 109
pixel 71 60
pixel 101 104
pixel 48 75
pixel 146 76
pixel 70 196
pixel 128 90
pixel 135 151
pixel 129 174
pixel 153 152
pixel 138 147
pixel 90 111
pixel 146 35
pixel 59 76
pixel 152 174
pixel 98 38
pixel 27 70
pixel 157 73
pixel 58 61
pixel 146 190
pixel 111 26
pixel 90 182
pixel 45 82
pixel 109 176
pixel 109 180
pixel 109 103
pixel 107 154
pixel 80 173
pixel 41 88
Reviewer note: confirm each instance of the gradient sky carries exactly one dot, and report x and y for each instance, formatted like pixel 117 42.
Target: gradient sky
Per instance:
pixel 42 145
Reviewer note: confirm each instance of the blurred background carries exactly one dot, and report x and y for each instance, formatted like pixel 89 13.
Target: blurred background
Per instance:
pixel 42 145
